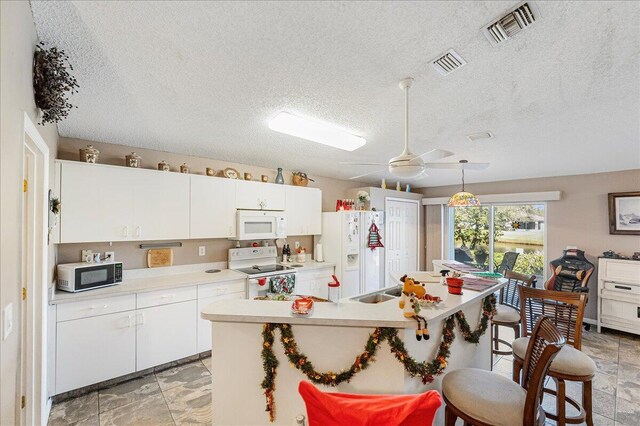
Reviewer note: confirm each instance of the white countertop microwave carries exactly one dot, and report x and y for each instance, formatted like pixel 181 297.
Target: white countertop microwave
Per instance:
pixel 261 225
pixel 74 277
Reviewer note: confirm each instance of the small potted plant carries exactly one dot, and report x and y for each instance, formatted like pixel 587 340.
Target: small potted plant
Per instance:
pixel 363 199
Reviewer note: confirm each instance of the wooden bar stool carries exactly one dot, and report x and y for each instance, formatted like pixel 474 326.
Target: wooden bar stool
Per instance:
pixel 508 309
pixel 566 311
pixel 481 397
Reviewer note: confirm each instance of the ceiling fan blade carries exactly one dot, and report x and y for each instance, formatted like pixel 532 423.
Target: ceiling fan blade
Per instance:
pixel 435 154
pixel 366 174
pixel 362 164
pixel 457 166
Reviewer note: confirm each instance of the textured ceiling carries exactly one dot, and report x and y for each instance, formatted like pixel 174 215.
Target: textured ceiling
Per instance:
pixel 204 78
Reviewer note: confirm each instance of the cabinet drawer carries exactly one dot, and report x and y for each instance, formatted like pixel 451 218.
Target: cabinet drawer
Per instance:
pixel 220 289
pixel 315 274
pixel 164 297
pixel 92 308
pixel 620 271
pixel 622 288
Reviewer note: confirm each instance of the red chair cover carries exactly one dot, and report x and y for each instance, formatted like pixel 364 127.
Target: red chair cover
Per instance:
pixel 329 409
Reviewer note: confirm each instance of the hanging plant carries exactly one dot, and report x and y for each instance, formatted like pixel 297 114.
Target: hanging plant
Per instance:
pixel 52 83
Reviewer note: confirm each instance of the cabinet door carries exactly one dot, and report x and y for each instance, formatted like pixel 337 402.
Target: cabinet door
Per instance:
pixel 98 203
pixel 204 326
pixel 213 207
pixel 304 210
pixel 91 350
pixel 165 333
pixel 161 206
pixel 260 196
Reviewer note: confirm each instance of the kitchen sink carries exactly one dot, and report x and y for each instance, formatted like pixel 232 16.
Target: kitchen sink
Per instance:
pixel 395 292
pixel 374 298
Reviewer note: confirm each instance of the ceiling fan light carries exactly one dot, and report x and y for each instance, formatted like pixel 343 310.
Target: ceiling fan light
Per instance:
pixel 464 199
pixel 316 131
pixel 406 171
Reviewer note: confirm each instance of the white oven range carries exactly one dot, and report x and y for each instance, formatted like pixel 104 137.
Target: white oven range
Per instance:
pixel 260 266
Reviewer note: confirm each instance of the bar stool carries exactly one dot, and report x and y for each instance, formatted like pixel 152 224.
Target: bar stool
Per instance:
pixel 336 409
pixel 481 397
pixel 508 309
pixel 566 311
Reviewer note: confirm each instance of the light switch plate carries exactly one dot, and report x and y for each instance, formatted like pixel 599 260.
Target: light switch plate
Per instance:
pixel 202 251
pixel 7 321
pixel 296 245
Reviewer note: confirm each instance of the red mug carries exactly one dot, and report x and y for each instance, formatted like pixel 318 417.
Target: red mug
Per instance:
pixel 455 285
pixel 262 281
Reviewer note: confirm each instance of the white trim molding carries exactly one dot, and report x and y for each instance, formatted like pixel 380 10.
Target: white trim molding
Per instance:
pixel 520 197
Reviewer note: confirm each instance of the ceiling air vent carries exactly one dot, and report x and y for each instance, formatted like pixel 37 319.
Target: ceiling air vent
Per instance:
pixel 512 23
pixel 448 62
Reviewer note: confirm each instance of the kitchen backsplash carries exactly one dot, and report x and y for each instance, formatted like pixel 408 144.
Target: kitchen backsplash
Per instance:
pixel 133 257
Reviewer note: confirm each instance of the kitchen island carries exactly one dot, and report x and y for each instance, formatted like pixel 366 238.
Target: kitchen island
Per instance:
pixel 331 338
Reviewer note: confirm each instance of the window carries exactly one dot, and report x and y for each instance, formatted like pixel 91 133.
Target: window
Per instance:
pixel 498 236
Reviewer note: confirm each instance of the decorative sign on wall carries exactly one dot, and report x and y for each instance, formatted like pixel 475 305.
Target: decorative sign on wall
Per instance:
pixel 374 237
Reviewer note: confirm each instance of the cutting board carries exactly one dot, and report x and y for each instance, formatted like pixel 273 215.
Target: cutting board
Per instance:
pixel 159 257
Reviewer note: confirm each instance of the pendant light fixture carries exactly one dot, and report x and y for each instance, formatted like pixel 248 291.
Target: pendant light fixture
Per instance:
pixel 463 198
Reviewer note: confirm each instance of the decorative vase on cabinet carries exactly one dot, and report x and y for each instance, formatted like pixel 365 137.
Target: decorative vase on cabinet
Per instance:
pixel 279 178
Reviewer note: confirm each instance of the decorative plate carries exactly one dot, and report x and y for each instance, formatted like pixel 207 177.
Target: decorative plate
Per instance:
pixel 231 173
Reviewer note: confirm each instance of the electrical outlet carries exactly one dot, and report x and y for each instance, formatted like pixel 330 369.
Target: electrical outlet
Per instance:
pixel 7 321
pixel 109 256
pixel 87 256
pixel 202 251
pixel 296 245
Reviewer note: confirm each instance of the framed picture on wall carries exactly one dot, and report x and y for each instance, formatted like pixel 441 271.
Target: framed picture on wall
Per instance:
pixel 624 213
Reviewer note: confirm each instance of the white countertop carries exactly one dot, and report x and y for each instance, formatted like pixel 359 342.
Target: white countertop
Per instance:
pixel 142 284
pixel 347 313
pixel 309 265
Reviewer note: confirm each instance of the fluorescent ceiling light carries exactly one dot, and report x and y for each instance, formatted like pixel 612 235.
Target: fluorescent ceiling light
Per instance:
pixel 316 131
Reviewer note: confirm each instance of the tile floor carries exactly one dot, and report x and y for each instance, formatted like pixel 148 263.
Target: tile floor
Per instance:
pixel 182 395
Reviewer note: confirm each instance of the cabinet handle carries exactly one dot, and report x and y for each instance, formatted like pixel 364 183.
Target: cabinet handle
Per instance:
pixel 231 230
pixel 138 231
pixel 140 319
pixel 130 318
pixel 622 287
pixel 125 231
pixel 168 296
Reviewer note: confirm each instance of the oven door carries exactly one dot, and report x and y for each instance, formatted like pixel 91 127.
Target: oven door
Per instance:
pixel 260 225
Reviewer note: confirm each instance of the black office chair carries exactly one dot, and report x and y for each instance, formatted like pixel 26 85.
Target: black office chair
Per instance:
pixel 508 262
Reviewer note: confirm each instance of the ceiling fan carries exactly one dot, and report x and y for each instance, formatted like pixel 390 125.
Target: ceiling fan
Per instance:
pixel 408 165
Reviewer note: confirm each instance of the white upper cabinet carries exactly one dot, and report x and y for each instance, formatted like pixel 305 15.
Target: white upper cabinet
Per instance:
pixel 161 205
pixel 304 210
pixel 96 203
pixel 259 196
pixel 213 207
pixel 107 203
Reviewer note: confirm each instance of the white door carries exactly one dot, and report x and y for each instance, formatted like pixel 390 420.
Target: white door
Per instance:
pixel 166 333
pixel 91 350
pixel 213 207
pixel 303 210
pixel 161 205
pixel 204 326
pixel 401 236
pixel 260 196
pixel 98 203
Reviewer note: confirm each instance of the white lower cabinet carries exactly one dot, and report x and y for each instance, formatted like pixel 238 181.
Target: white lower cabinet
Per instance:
pixel 314 282
pixel 165 333
pixel 204 326
pixel 94 349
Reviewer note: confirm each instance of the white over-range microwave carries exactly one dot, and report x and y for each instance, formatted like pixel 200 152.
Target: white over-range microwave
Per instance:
pixel 261 225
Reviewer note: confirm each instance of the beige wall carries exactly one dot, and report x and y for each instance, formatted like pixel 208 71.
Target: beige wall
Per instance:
pixel 18 39
pixel 580 218
pixel 216 249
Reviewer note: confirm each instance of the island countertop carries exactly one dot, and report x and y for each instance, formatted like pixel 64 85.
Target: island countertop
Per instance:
pixel 347 313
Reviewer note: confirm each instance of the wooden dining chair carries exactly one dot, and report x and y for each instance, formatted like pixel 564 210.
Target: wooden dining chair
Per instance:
pixel 508 309
pixel 483 398
pixel 565 310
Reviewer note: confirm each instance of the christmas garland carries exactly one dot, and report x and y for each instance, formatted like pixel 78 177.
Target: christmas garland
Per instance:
pixel 425 370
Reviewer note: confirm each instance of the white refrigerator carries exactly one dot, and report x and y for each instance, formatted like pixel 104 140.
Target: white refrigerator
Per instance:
pixel 345 242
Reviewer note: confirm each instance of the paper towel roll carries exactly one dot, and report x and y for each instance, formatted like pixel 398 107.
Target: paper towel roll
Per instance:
pixel 319 255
